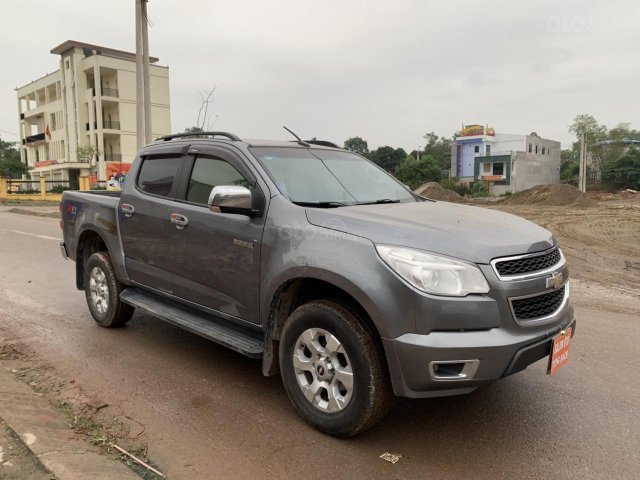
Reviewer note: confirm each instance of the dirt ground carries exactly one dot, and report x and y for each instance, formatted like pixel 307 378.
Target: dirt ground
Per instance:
pixel 17 462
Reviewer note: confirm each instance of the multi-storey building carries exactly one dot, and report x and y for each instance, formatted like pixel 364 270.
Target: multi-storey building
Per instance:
pixel 506 162
pixel 81 119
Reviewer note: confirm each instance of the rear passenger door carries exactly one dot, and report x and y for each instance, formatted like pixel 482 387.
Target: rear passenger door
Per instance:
pixel 145 219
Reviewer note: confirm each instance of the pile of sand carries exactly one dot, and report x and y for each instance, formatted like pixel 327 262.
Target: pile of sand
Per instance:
pixel 435 191
pixel 550 195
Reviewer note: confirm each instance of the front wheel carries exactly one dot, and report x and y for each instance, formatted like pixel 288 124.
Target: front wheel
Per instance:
pixel 102 291
pixel 333 369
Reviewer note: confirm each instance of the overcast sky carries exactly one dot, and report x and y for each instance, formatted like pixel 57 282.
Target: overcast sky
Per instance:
pixel 386 71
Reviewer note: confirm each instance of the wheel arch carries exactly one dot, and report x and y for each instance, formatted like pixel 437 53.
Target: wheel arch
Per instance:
pixel 296 291
pixel 89 242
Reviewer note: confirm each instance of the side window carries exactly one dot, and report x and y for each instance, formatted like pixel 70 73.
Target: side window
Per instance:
pixel 157 175
pixel 211 172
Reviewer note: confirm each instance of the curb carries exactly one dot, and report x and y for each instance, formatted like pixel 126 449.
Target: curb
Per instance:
pixel 45 431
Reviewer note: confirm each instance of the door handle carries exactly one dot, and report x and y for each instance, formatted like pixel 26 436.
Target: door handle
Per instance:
pixel 180 221
pixel 127 209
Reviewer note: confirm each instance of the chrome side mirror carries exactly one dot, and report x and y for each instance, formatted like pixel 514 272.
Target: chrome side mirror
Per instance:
pixel 230 199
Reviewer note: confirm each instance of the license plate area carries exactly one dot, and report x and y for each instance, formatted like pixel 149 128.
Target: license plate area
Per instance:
pixel 559 351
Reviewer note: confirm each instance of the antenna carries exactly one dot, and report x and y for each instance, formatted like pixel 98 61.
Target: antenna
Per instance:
pixel 300 141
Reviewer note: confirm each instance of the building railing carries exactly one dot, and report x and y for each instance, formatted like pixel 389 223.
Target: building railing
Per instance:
pixel 111 124
pixel 113 157
pixel 38 137
pixel 110 92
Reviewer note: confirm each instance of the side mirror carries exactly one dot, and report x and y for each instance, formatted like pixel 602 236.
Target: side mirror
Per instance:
pixel 231 199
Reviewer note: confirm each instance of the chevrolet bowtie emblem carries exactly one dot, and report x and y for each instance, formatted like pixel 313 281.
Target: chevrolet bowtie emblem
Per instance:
pixel 555 281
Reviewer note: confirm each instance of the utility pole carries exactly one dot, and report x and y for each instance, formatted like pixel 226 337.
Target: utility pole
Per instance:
pixel 582 175
pixel 143 94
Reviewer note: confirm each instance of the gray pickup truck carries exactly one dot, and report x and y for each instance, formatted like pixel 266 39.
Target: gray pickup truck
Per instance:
pixel 323 266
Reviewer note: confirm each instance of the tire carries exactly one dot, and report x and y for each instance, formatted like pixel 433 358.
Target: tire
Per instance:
pixel 102 291
pixel 322 342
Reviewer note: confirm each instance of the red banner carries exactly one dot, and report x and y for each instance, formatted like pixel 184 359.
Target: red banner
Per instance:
pixel 45 163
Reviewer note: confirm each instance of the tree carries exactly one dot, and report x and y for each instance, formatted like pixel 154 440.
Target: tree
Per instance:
pixel 387 157
pixel 625 171
pixel 87 153
pixel 10 164
pixel 439 148
pixel 587 124
pixel 414 173
pixel 357 145
pixel 569 165
pixel 204 122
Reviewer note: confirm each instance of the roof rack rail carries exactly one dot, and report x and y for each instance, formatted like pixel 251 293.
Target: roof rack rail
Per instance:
pixel 230 136
pixel 323 143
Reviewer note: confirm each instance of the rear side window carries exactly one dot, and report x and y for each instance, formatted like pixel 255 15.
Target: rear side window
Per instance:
pixel 158 174
pixel 211 172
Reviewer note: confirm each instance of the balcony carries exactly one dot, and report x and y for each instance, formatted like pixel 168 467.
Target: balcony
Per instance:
pixel 38 137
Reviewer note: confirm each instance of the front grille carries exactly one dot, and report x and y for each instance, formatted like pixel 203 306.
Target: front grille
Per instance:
pixel 539 306
pixel 528 264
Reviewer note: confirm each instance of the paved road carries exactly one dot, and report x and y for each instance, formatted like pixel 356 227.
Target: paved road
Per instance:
pixel 209 413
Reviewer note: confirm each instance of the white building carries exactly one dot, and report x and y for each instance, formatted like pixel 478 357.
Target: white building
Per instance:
pixel 89 102
pixel 507 162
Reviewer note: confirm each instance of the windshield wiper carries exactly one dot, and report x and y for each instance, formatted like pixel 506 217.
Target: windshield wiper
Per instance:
pixel 379 202
pixel 323 204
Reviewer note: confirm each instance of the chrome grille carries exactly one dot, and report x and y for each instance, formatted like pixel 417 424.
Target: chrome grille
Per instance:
pixel 527 264
pixel 531 308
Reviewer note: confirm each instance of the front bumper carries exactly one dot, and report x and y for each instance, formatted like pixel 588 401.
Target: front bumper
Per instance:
pixel 499 352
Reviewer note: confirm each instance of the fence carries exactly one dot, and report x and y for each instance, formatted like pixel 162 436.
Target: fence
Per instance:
pixel 42 189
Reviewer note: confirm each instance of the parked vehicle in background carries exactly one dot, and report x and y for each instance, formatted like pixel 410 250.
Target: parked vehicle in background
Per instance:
pixel 325 267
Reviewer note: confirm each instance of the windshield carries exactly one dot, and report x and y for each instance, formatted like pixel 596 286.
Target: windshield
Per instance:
pixel 329 178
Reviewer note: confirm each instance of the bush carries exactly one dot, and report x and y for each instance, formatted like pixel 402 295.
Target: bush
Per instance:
pixel 453 184
pixel 414 172
pixel 479 189
pixel 59 189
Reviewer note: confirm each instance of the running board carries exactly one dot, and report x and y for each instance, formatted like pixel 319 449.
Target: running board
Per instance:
pixel 235 337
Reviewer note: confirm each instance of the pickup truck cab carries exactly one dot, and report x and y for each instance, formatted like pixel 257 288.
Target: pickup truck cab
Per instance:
pixel 323 266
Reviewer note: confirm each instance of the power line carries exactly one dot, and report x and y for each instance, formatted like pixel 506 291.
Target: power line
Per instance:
pixel 10 133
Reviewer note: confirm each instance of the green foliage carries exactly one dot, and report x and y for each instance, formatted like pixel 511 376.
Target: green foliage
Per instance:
pixel 10 164
pixel 387 157
pixel 479 189
pixel 508 193
pixel 357 145
pixel 454 184
pixel 59 189
pixel 440 149
pixel 86 153
pixel 605 147
pixel 414 172
pixel 625 171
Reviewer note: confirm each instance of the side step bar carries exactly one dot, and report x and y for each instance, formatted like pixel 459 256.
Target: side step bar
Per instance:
pixel 236 338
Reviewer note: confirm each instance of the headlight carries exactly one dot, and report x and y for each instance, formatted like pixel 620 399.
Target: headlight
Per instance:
pixel 434 274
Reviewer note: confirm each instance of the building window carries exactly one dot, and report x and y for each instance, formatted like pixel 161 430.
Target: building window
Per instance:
pixel 536 149
pixel 530 148
pixel 498 169
pixel 543 150
pixel 66 63
pixel 476 149
pixel 488 150
pixel 486 168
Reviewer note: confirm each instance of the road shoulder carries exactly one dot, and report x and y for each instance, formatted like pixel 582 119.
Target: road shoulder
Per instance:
pixel 45 431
